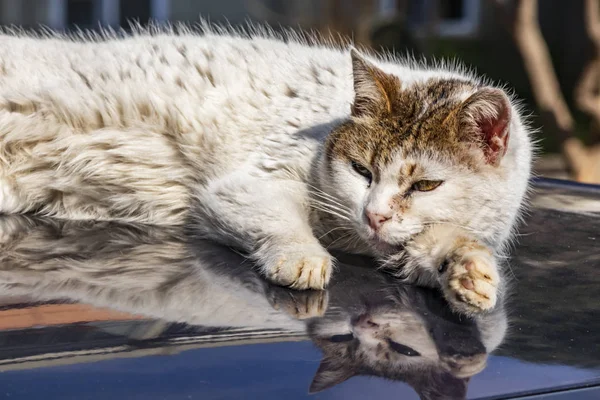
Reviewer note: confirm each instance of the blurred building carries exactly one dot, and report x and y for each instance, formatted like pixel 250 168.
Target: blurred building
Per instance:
pixel 458 17
pixel 472 30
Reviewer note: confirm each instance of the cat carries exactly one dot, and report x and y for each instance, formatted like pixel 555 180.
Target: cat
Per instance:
pixel 366 323
pixel 279 146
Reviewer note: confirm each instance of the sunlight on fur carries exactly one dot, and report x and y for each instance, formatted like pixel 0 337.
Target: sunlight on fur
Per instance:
pixel 281 147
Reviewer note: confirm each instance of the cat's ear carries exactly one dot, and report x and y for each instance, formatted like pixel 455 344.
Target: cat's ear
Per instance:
pixel 329 374
pixel 437 384
pixel 486 116
pixel 374 90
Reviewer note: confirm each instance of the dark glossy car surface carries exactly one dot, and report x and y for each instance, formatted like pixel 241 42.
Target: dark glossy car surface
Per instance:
pixel 109 311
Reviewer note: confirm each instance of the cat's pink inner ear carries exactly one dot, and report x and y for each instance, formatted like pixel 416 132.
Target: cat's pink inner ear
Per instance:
pixel 488 113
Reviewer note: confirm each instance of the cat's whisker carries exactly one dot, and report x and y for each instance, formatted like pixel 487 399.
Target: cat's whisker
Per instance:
pixel 319 190
pixel 329 211
pixel 482 212
pixel 474 220
pixel 314 190
pixel 333 230
pixel 343 237
pixel 332 207
pixel 326 198
pixel 355 241
pixel 511 272
pixel 335 206
pixel 524 234
pixel 456 225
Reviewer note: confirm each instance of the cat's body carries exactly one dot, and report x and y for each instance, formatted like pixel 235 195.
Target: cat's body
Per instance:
pixel 261 144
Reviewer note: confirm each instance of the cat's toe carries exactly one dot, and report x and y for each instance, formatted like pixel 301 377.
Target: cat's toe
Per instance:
pixel 472 282
pixel 312 273
pixel 300 305
pixel 302 271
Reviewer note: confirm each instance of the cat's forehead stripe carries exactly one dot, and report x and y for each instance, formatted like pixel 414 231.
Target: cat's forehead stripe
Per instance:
pixel 408 168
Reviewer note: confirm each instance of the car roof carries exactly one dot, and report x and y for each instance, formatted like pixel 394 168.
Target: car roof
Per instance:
pixel 104 310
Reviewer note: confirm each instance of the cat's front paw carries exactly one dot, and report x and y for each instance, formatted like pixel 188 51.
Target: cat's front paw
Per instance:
pixel 470 280
pixel 306 268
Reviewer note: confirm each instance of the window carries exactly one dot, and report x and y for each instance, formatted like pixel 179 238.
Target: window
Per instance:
pixel 90 14
pixel 459 17
pixel 456 17
pixel 134 10
pixel 82 13
pixel 387 8
pixel 452 10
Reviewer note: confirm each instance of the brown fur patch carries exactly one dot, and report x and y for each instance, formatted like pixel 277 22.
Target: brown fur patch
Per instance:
pixel 421 118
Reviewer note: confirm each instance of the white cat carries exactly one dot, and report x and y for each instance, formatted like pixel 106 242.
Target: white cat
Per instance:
pixel 276 146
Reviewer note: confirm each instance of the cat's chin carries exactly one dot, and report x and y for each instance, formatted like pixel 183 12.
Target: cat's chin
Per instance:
pixel 383 245
pixel 383 248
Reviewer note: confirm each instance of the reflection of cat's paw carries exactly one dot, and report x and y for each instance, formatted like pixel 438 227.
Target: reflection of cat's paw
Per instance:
pixel 300 305
pixel 309 269
pixel 465 366
pixel 471 280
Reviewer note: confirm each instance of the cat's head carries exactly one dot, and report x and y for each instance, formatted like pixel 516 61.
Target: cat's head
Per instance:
pixel 413 153
pixel 416 340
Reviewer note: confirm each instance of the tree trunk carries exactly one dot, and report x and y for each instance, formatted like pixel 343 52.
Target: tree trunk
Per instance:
pixel 554 112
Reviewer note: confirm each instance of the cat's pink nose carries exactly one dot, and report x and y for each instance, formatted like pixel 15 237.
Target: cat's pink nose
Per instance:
pixel 376 220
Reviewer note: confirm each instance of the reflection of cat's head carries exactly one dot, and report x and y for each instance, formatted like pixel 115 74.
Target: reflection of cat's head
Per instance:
pixel 407 335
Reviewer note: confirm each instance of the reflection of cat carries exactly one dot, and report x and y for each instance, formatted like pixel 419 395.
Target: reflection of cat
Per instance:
pixel 403 333
pixel 141 270
pixel 366 323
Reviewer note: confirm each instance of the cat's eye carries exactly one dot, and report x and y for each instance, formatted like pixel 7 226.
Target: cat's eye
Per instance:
pixel 402 349
pixel 362 170
pixel 341 338
pixel 426 186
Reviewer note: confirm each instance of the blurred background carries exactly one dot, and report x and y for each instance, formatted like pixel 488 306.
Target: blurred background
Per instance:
pixel 548 51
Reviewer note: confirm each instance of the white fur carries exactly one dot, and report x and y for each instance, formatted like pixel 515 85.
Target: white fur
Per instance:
pixel 230 128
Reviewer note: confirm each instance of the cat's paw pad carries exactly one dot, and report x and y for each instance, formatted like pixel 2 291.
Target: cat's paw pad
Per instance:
pixel 472 282
pixel 306 270
pixel 300 305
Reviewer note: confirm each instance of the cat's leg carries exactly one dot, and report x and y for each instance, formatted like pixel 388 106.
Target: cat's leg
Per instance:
pixel 452 259
pixel 269 220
